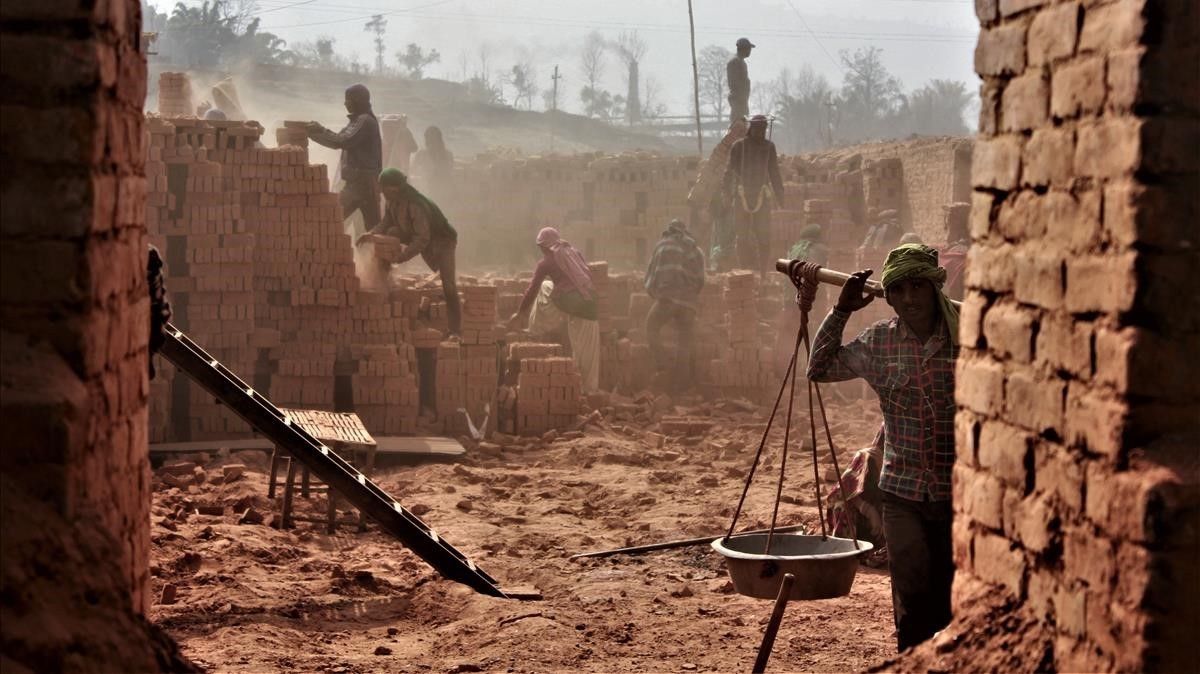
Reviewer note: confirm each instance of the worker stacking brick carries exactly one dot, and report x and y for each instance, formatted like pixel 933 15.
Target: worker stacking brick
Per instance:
pixel 292 133
pixel 450 387
pixel 547 395
pixel 175 95
pixel 479 314
pixel 383 383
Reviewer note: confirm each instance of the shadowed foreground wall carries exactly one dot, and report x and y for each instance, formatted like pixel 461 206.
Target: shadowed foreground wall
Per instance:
pixel 74 309
pixel 1075 490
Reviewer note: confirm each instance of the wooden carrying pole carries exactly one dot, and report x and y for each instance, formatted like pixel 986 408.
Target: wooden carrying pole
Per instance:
pixel 838 278
pixel 768 642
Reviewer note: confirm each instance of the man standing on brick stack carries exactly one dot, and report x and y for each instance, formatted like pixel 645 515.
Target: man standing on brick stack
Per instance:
pixel 674 279
pixel 756 187
pixel 414 225
pixel 909 361
pixel 738 77
pixel 362 155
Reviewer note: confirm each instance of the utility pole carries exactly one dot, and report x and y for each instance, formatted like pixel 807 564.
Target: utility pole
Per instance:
pixel 695 81
pixel 556 77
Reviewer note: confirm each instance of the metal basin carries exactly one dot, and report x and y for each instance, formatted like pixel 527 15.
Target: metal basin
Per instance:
pixel 824 567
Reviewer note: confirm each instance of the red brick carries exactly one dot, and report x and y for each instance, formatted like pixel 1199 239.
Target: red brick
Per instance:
pixel 1003 450
pixel 970 319
pixel 997 562
pixel 1123 78
pixel 1020 217
pixel 1043 587
pixel 1058 473
pixel 1034 523
pixel 1112 26
pixel 981 215
pixel 991 268
pixel 979 385
pixel 1073 220
pixel 961 542
pixel 1001 50
pixel 1049 158
pixel 1160 216
pixel 1025 102
pixel 1097 421
pixel 67 135
pixel 987 10
pixel 1078 88
pixel 1033 403
pixel 1088 557
pixel 989 108
pixel 1011 7
pixel 1053 34
pixel 1113 356
pixel 1101 283
pixel 1108 149
pixel 996 163
pixel 1009 331
pixel 982 496
pixel 966 429
pixel 1070 608
pixel 1039 278
pixel 1065 344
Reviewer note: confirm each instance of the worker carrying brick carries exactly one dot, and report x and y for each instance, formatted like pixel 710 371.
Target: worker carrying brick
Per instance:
pixel 909 362
pixel 414 225
pixel 738 77
pixel 362 155
pixel 674 279
pixel 561 292
pixel 433 166
pixel 754 183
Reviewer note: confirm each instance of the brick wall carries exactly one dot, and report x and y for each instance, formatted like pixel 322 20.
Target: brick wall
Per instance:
pixel 74 302
pixel 1075 489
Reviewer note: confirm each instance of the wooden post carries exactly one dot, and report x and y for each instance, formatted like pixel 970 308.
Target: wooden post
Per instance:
pixel 768 642
pixel 695 81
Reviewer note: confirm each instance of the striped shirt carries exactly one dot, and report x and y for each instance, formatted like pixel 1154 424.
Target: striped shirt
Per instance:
pixel 915 385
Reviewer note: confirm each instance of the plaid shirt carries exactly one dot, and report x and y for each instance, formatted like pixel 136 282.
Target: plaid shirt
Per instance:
pixel 676 270
pixel 915 384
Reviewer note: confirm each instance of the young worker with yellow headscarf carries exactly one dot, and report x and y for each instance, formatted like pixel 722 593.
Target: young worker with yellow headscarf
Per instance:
pixel 909 361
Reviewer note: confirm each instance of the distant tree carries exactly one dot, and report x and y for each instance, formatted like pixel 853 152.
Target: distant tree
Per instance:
pixel 523 80
pixel 631 48
pixel 413 60
pixel 596 102
pixel 591 64
pixel 713 90
pixel 378 26
pixel 870 94
pixel 805 106
pixel 319 53
pixel 937 108
pixel 652 106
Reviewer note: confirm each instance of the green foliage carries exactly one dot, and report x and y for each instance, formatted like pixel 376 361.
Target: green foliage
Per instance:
pixel 413 60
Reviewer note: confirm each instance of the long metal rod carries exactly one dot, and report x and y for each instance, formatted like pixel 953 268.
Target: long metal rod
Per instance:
pixel 683 543
pixel 768 642
pixel 839 279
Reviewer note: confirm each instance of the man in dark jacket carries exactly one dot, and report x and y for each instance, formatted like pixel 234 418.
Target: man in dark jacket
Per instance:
pixel 414 225
pixel 755 184
pixel 362 155
pixel 674 279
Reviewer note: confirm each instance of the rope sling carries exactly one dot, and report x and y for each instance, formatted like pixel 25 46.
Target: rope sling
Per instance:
pixel 806 293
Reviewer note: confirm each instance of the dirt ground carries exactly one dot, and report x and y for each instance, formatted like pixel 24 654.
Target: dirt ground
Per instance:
pixel 253 598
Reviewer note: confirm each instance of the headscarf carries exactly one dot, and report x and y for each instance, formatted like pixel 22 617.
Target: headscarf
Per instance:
pixel 569 260
pixel 809 236
pixel 361 96
pixel 676 228
pixel 915 260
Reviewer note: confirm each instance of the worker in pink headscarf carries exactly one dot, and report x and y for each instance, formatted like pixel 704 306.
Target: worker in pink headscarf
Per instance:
pixel 562 292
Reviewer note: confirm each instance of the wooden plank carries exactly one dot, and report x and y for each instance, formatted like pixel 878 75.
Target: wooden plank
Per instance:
pixel 429 446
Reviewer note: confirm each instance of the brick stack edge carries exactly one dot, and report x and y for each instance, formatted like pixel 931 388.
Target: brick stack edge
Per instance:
pixel 1078 384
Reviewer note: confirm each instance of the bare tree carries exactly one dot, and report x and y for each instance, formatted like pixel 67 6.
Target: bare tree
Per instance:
pixel 631 48
pixel 523 80
pixel 652 105
pixel 713 89
pixel 591 63
pixel 377 25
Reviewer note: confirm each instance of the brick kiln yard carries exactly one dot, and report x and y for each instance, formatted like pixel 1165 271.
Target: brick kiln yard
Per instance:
pixel 250 597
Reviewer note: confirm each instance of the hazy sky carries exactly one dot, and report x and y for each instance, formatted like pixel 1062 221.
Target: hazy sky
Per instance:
pixel 921 39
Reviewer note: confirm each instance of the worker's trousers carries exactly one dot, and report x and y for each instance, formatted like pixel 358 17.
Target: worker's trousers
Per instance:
pixel 684 318
pixel 361 193
pixel 753 238
pixel 921 562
